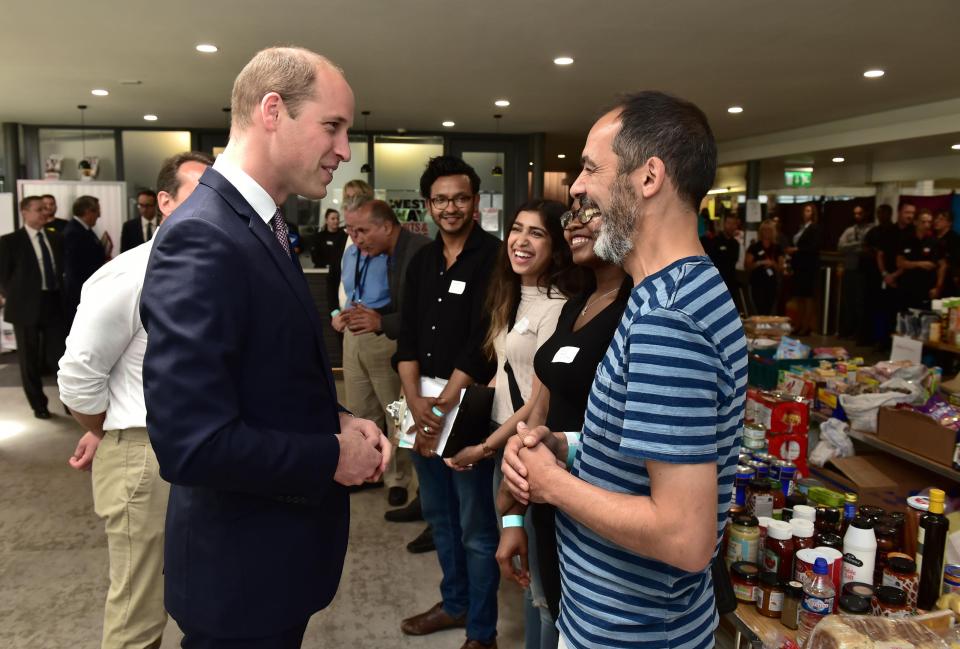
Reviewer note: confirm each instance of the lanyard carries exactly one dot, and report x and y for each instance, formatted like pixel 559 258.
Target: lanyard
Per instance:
pixel 360 276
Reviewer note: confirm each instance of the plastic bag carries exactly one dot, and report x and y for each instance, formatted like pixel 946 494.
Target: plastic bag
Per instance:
pixel 834 442
pixel 914 388
pixel 862 409
pixel 867 632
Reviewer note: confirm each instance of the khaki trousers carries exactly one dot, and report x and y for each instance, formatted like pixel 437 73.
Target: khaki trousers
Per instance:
pixel 131 497
pixel 370 384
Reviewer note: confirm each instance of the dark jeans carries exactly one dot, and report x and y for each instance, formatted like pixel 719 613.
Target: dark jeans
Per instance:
pixel 459 507
pixel 291 639
pixel 39 348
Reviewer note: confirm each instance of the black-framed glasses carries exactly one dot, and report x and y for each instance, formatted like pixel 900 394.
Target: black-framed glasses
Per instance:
pixel 145 206
pixel 581 217
pixel 441 202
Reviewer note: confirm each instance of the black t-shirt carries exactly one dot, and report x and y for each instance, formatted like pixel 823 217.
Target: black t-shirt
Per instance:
pixel 918 282
pixel 889 239
pixel 569 381
pixel 724 252
pixel 327 249
pixel 773 252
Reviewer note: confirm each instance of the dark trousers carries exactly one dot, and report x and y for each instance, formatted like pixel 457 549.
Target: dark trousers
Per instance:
pixel 39 348
pixel 291 639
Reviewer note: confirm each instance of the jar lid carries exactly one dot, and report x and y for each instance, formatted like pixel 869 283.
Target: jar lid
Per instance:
pixel 805 512
pixel 795 588
pixel 779 530
pixel 862 523
pixel 920 503
pixel 885 530
pixel 869 511
pixel 897 517
pixel 802 528
pixel 746 571
pixel 829 514
pixel 764 521
pixel 760 484
pixel 829 539
pixel 855 604
pixel 902 565
pixel 858 588
pixel 770 579
pixel 891 596
pixel 745 520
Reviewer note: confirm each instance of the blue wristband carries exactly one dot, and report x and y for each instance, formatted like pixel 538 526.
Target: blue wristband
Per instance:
pixel 514 520
pixel 436 411
pixel 335 313
pixel 573 442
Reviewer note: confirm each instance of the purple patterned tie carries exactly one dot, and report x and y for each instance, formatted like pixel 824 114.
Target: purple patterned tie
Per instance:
pixel 279 226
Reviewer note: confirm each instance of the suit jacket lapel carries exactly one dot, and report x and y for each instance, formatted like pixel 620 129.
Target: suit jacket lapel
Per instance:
pixel 291 272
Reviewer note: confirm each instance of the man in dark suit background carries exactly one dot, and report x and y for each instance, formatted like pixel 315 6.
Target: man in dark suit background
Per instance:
pixel 241 406
pixel 30 278
pixel 83 253
pixel 50 205
pixel 140 229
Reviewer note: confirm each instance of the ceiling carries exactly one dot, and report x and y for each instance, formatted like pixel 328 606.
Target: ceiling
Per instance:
pixel 415 63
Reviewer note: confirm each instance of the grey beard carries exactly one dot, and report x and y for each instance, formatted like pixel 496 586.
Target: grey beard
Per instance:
pixel 615 240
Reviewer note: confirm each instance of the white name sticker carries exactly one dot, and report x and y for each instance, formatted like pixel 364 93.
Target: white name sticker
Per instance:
pixel 457 287
pixel 329 243
pixel 522 325
pixel 566 354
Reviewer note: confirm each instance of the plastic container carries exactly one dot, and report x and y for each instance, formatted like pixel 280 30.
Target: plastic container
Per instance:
pixel 802 531
pixel 805 559
pixel 778 550
pixel 805 512
pixel 818 600
pixel 859 551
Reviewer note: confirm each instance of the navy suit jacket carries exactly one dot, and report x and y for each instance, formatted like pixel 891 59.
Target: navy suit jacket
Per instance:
pixel 242 413
pixel 83 254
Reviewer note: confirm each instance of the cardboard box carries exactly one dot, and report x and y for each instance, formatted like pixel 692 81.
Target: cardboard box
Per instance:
pixel 880 480
pixel 791 447
pixel 777 415
pixel 918 434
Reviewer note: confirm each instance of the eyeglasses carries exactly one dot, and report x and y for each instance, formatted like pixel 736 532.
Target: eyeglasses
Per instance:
pixel 145 206
pixel 582 217
pixel 441 202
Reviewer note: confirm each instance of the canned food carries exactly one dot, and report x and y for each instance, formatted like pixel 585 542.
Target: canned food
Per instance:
pixel 951 579
pixel 762 468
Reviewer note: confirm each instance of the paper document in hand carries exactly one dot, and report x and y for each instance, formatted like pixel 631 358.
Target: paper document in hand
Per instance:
pixel 429 387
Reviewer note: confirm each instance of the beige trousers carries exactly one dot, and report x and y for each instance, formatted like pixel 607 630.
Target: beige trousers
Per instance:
pixel 131 497
pixel 370 384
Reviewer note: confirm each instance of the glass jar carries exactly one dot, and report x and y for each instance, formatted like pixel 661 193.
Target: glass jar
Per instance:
pixel 759 498
pixel 886 543
pixel 779 500
pixel 745 577
pixel 902 573
pixel 828 520
pixel 792 596
pixel 891 602
pixel 855 605
pixel 830 540
pixel 872 513
pixel 859 589
pixel 770 596
pixel 743 539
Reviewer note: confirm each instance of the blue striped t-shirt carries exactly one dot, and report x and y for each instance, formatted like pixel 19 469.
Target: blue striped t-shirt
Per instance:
pixel 671 388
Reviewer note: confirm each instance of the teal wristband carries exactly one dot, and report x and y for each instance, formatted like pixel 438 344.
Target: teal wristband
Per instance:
pixel 573 442
pixel 436 411
pixel 335 313
pixel 514 520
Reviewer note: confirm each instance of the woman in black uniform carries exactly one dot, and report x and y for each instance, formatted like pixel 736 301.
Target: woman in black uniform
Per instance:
pixel 763 262
pixel 805 262
pixel 565 366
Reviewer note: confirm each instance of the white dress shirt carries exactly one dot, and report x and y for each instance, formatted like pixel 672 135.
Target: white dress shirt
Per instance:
pixel 36 250
pixel 250 189
pixel 102 369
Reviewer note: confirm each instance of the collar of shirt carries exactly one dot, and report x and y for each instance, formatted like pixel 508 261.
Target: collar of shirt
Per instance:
pixel 81 222
pixel 474 241
pixel 32 232
pixel 250 189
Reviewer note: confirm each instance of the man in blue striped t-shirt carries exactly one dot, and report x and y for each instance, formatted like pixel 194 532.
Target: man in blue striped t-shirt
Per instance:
pixel 641 510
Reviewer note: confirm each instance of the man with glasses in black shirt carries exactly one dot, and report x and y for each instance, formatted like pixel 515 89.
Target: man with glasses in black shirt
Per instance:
pixel 442 331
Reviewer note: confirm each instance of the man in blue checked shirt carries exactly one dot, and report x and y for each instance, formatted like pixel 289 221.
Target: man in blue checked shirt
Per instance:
pixel 642 508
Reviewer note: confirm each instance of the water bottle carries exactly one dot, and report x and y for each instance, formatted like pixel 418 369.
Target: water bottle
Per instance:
pixel 818 597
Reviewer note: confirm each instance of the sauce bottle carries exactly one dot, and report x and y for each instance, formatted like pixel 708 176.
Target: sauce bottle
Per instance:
pixel 931 544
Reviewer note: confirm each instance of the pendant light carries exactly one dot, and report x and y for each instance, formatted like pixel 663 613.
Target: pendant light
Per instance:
pixel 497 169
pixel 366 168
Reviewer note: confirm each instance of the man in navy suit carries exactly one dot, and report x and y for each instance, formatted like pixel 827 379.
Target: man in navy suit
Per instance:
pixel 83 253
pixel 241 406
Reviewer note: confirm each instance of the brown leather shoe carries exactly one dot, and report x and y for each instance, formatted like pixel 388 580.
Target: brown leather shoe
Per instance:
pixel 436 619
pixel 476 644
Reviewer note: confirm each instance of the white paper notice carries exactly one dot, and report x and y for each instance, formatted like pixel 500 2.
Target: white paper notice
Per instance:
pixel 457 287
pixel 522 325
pixel 566 354
pixel 490 219
pixel 753 210
pixel 429 387
pixel 906 349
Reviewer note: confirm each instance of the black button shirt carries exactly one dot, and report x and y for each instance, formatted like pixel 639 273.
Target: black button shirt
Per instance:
pixel 443 323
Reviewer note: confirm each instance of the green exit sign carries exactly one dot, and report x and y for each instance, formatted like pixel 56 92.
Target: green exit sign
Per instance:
pixel 798 177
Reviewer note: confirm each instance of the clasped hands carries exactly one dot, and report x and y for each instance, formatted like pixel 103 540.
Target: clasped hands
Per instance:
pixel 365 451
pixel 359 319
pixel 531 464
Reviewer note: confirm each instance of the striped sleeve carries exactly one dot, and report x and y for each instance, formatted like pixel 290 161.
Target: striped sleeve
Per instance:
pixel 672 382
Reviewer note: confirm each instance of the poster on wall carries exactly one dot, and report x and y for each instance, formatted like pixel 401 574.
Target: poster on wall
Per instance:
pixel 407 204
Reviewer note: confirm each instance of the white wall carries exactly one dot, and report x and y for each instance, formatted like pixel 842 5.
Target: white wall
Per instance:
pixel 69 144
pixel 399 165
pixel 144 152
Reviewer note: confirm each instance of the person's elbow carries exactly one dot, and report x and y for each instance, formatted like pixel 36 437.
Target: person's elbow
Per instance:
pixel 696 552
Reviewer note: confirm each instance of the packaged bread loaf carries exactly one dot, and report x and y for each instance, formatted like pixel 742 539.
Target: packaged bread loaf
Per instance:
pixel 864 632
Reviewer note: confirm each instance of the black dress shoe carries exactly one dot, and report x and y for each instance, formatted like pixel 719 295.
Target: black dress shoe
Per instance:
pixel 397 496
pixel 410 513
pixel 42 413
pixel 423 543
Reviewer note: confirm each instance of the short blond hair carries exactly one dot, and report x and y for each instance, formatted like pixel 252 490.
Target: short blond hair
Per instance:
pixel 288 71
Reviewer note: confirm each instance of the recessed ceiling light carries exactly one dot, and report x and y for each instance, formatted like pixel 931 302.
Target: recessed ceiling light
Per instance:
pixel 531 164
pixel 99 92
pixel 207 48
pixel 561 155
pixel 449 124
pixel 874 74
pixel 502 103
pixel 150 118
pixel 735 110
pixel 838 159
pixel 563 60
pixel 955 147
